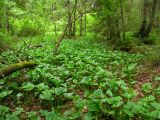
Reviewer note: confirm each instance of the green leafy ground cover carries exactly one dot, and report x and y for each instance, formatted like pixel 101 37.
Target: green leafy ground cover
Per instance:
pixel 85 81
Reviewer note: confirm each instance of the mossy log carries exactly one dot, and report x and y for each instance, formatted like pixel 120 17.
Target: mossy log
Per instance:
pixel 15 67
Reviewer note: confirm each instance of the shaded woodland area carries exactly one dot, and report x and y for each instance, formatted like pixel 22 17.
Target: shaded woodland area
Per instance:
pixel 79 59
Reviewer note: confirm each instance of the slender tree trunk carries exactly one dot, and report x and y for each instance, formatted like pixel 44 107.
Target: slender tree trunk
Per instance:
pixel 85 22
pixel 1 14
pixel 122 21
pixel 7 23
pixel 54 19
pixel 55 28
pixel 69 19
pixel 157 22
pixel 81 24
pixel 0 23
pixel 74 23
pixel 60 38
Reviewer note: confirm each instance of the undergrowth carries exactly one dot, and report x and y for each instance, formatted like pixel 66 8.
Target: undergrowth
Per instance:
pixel 85 81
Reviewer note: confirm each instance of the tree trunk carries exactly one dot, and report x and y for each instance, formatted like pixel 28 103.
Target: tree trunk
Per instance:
pixel 0 23
pixel 149 28
pixel 81 24
pixel 55 28
pixel 157 17
pixel 145 30
pixel 15 67
pixel 7 23
pixel 85 22
pixel 74 23
pixel 54 18
pixel 122 21
pixel 69 19
pixel 60 38
pixel 144 22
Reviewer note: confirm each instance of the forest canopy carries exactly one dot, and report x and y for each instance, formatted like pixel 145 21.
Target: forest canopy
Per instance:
pixel 79 59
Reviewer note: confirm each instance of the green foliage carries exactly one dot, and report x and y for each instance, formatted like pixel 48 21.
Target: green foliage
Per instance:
pixel 60 90
pixel 42 86
pixel 30 28
pixel 5 40
pixel 147 87
pixel 52 115
pixel 47 95
pixel 6 115
pixel 85 80
pixel 152 39
pixel 4 94
pixel 96 80
pixel 152 56
pixel 3 110
pixel 33 116
pixel 28 87
pixel 128 44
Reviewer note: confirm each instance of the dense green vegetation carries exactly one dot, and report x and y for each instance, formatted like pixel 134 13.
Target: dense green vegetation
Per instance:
pixel 79 60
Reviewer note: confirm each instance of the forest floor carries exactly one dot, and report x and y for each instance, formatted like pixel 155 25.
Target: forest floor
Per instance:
pixel 85 77
pixel 147 75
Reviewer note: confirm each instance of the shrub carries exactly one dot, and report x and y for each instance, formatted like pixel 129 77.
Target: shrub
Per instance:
pixel 30 28
pixel 128 44
pixel 149 41
pixel 153 56
pixel 4 41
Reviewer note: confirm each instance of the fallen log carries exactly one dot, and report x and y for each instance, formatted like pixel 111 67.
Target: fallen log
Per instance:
pixel 15 67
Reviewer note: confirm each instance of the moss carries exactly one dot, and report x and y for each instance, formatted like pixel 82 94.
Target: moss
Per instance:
pixel 16 67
